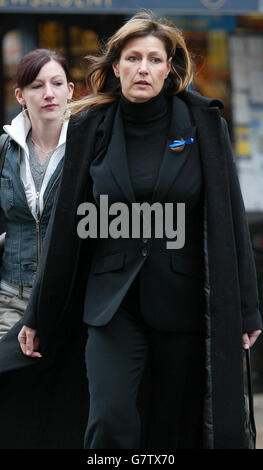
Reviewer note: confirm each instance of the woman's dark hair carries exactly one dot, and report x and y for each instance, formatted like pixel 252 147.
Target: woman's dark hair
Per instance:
pixel 31 64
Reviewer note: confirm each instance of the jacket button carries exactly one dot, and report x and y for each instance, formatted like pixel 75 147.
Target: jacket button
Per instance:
pixel 144 251
pixel 145 240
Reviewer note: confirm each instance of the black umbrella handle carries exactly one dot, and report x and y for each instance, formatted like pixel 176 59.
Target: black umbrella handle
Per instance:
pixel 250 391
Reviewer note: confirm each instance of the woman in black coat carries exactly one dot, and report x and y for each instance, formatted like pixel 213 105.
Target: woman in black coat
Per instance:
pixel 179 301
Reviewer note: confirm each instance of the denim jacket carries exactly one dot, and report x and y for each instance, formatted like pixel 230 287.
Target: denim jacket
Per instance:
pixel 25 228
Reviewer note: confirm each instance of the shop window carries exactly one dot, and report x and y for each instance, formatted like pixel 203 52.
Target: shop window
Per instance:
pixel 210 55
pixel 74 43
pixel 246 68
pixel 207 39
pixel 82 43
pixel 52 36
pixel 12 53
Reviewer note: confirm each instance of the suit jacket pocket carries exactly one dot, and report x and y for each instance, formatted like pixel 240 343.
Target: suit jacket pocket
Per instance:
pixel 109 263
pixel 188 265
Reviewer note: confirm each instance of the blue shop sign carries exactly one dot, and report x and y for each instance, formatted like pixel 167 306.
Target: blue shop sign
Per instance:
pixel 122 6
pixel 206 22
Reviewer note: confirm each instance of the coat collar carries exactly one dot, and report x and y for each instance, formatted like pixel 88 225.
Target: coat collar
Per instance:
pixel 194 99
pixel 180 128
pixel 21 125
pixel 19 128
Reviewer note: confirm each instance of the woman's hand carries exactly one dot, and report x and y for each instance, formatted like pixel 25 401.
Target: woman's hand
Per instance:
pixel 29 342
pixel 250 338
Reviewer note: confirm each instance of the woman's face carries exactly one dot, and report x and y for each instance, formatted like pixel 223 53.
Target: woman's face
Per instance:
pixel 46 97
pixel 142 68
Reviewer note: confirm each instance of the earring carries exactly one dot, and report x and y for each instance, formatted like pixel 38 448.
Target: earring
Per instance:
pixel 24 110
pixel 67 112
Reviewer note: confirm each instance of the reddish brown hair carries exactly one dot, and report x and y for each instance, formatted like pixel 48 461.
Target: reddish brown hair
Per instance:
pixel 31 64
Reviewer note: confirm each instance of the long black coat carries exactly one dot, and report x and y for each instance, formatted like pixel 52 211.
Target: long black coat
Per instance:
pixel 55 307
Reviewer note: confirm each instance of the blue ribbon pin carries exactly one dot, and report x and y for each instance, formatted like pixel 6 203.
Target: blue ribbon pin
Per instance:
pixel 181 143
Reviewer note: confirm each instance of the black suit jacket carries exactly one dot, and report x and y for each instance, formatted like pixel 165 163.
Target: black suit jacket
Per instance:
pixel 170 280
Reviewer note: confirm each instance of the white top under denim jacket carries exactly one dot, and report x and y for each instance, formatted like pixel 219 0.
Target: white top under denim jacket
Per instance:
pixel 26 213
pixel 18 131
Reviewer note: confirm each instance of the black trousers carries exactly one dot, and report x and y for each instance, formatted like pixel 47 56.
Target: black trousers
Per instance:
pixel 116 358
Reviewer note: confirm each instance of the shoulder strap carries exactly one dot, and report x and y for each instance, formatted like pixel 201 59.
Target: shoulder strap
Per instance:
pixel 3 147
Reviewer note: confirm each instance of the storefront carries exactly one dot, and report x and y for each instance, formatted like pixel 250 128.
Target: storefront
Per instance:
pixel 75 28
pixel 71 35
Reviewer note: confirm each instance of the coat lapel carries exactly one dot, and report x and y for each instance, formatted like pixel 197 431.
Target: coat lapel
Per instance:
pixel 117 158
pixel 225 253
pixel 173 161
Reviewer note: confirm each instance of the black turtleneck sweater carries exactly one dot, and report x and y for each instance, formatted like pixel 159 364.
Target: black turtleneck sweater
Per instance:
pixel 146 131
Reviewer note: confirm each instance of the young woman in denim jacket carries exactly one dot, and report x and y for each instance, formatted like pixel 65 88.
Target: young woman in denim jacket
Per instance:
pixel 31 173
